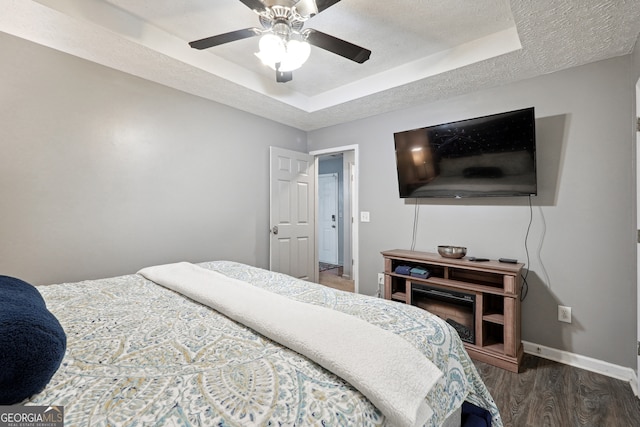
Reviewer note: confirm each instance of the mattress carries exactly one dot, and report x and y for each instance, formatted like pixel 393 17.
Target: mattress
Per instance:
pixel 141 354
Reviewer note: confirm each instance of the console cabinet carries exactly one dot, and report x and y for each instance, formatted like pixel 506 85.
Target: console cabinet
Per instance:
pixel 482 298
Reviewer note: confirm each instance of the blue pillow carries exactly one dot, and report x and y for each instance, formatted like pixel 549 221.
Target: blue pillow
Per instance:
pixel 32 341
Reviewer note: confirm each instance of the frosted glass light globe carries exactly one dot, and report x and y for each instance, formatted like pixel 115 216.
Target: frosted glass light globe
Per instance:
pixel 272 49
pixel 297 54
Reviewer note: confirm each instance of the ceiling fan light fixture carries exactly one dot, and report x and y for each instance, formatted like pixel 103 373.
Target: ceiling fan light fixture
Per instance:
pixel 290 55
pixel 297 54
pixel 272 49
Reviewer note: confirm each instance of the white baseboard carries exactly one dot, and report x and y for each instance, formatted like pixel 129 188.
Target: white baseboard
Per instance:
pixel 584 362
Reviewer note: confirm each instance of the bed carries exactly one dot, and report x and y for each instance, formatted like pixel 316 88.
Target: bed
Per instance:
pixel 141 354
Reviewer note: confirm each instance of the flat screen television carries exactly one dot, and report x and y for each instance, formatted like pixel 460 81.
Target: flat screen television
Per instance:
pixel 485 156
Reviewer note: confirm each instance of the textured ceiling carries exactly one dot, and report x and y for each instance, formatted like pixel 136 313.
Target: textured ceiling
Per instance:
pixel 422 50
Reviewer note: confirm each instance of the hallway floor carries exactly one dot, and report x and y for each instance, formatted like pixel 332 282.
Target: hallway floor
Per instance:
pixel 333 278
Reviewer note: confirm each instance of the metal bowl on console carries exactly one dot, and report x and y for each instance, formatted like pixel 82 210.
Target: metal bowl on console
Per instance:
pixel 452 251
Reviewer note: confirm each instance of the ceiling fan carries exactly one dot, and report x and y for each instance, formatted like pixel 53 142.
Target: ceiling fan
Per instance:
pixel 284 45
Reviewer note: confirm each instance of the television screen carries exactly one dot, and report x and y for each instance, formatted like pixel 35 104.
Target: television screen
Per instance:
pixel 486 156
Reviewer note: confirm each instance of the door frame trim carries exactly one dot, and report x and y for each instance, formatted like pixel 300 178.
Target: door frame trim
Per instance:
pixel 355 253
pixel 636 147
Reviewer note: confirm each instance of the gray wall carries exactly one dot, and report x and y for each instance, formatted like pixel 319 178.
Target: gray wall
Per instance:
pixel 102 173
pixel 582 240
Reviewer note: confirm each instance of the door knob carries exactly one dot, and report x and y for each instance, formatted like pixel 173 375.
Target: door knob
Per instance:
pixel 274 230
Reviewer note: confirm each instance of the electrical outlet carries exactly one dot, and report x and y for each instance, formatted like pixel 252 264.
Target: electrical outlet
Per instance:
pixel 380 278
pixel 564 314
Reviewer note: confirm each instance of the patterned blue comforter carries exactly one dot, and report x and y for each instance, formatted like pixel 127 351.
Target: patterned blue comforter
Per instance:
pixel 140 354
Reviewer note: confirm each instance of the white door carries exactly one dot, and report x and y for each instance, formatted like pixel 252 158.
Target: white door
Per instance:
pixel 292 212
pixel 328 218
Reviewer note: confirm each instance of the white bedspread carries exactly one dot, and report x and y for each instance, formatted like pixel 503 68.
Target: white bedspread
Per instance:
pixel 388 370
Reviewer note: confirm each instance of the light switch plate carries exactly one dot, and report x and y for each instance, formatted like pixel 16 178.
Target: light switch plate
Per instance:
pixel 364 216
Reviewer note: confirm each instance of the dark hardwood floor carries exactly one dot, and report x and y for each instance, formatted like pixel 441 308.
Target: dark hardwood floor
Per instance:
pixel 547 393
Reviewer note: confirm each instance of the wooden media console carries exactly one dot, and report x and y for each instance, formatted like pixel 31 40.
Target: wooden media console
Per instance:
pixel 480 299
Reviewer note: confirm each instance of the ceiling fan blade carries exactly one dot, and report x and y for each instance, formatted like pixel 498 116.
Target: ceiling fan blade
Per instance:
pixel 256 5
pixel 325 4
pixel 224 38
pixel 338 46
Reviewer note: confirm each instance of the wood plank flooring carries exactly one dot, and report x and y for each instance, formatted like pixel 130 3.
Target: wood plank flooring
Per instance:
pixel 550 394
pixel 333 279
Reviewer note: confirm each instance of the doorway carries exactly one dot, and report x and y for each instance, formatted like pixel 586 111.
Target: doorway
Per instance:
pixel 329 215
pixel 340 161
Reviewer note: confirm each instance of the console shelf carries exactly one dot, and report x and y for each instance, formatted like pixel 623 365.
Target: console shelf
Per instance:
pixel 493 320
